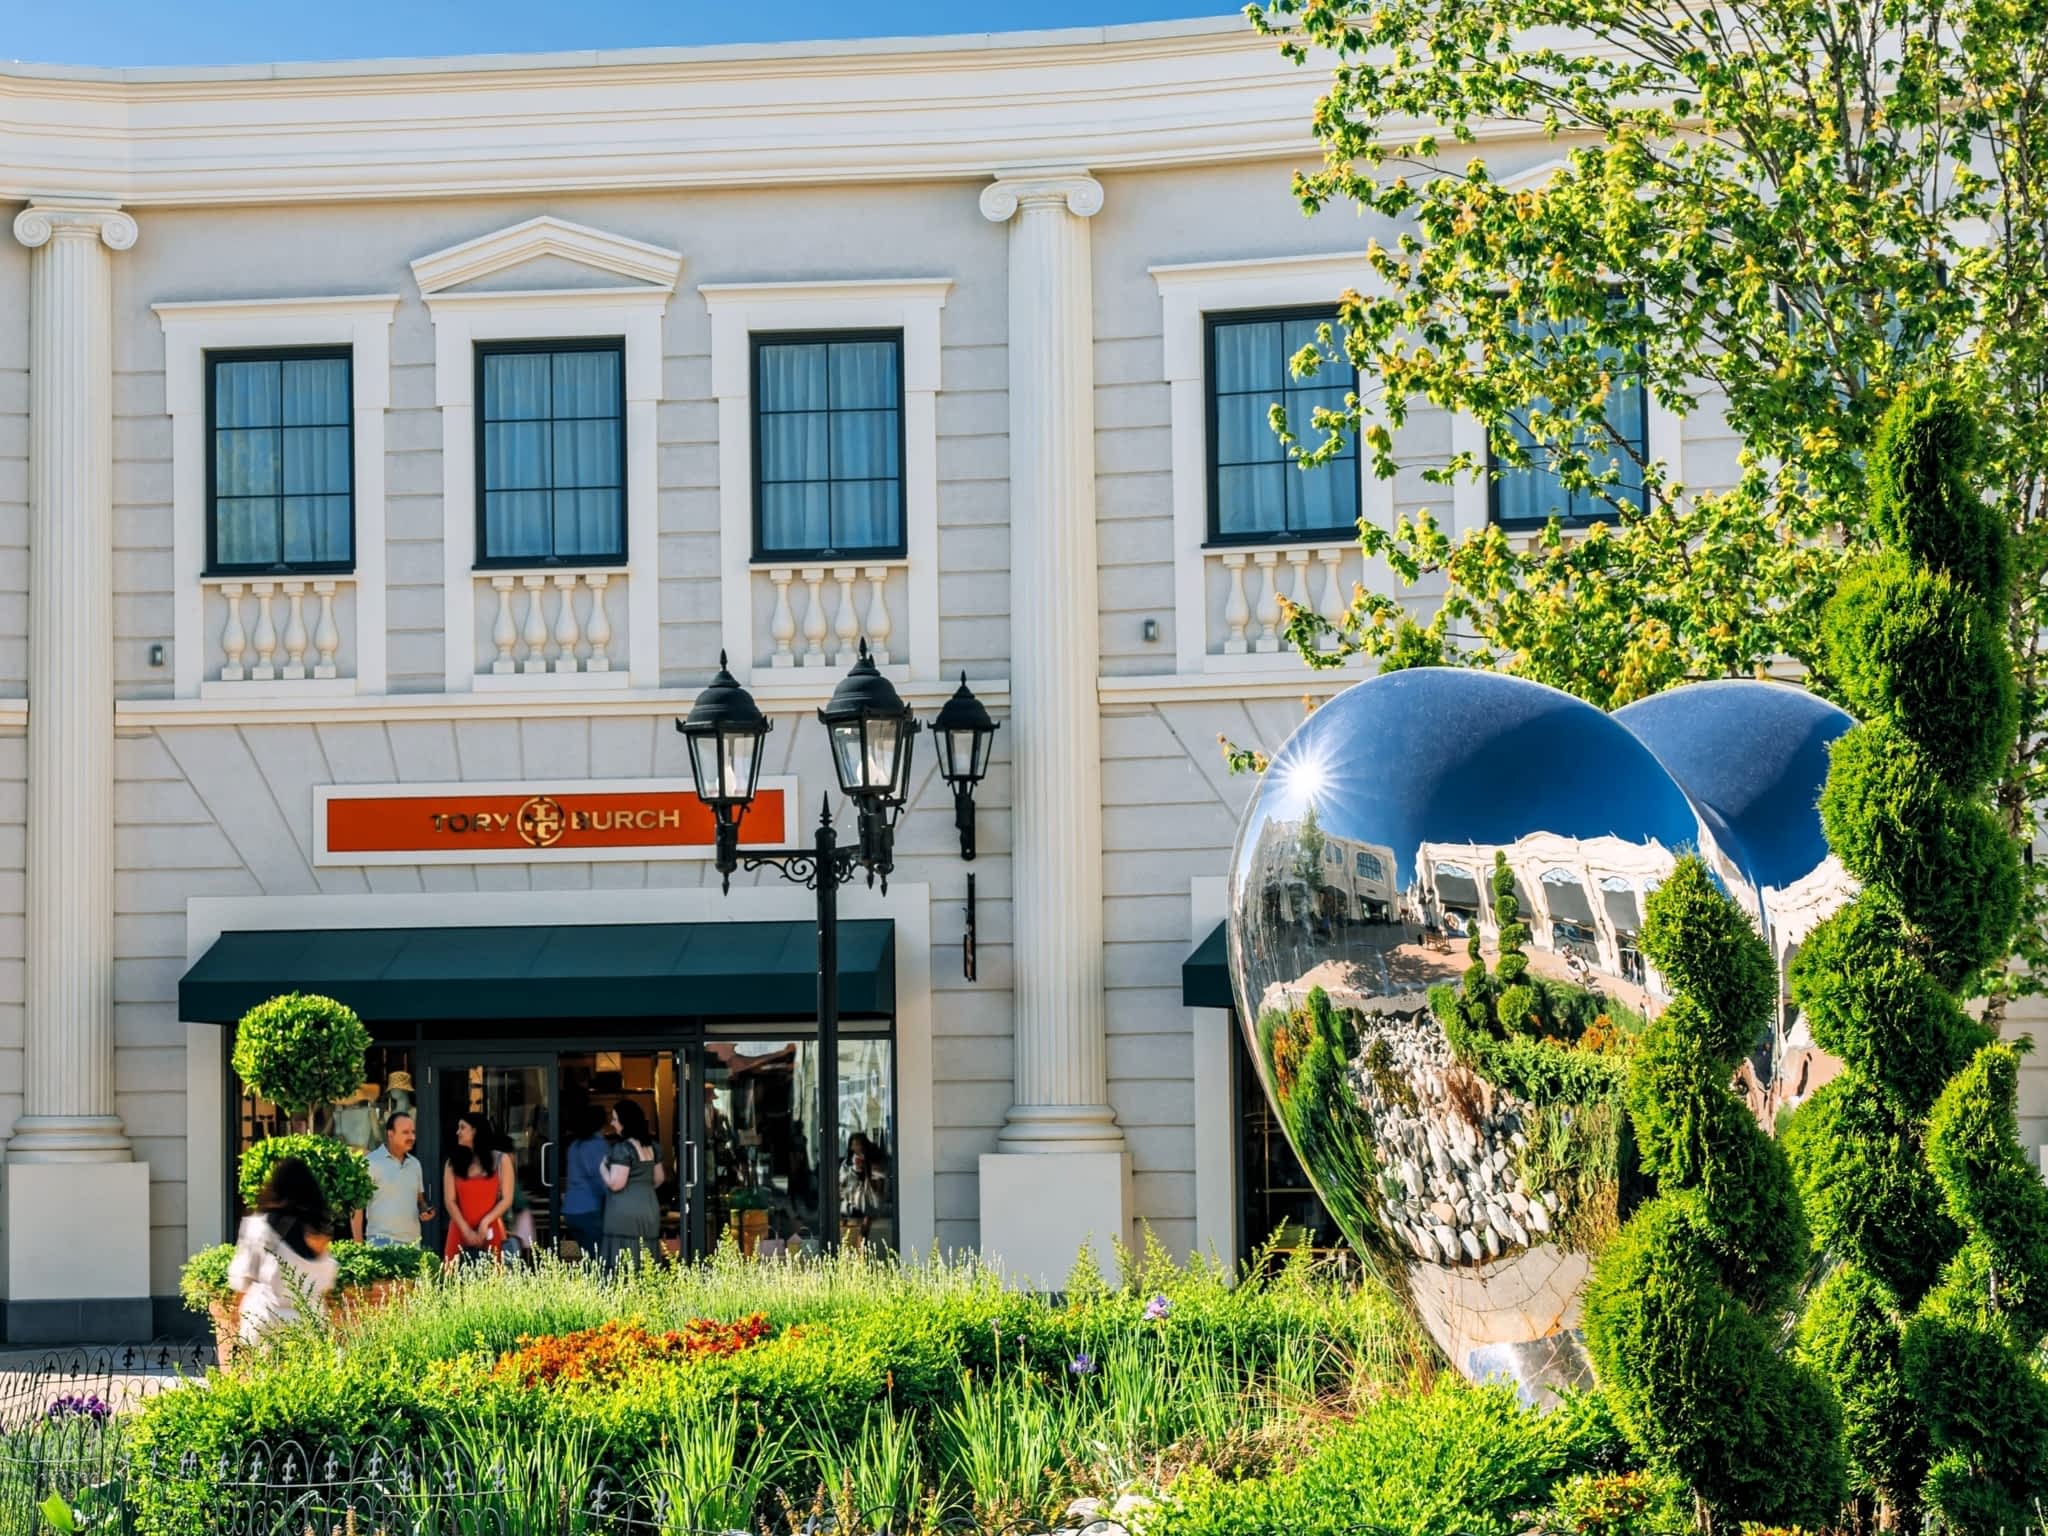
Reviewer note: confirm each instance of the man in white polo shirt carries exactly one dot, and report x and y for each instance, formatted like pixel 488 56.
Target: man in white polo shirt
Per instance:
pixel 400 1203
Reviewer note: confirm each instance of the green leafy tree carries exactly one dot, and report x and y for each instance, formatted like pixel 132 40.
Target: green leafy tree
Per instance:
pixel 300 1051
pixel 1684 1308
pixel 1779 214
pixel 1909 1161
pixel 1308 852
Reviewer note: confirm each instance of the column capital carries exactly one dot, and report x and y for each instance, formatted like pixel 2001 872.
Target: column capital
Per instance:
pixel 1070 184
pixel 39 223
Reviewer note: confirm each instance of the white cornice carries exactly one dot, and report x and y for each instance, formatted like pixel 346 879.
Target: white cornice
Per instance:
pixel 549 298
pixel 1337 266
pixel 831 290
pixel 928 109
pixel 143 714
pixel 206 311
pixel 547 235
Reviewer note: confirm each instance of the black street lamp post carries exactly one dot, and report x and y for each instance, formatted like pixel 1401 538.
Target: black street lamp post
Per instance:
pixel 870 730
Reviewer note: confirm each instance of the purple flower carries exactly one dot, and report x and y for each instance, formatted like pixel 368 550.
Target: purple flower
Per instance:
pixel 1082 1364
pixel 70 1407
pixel 1158 1309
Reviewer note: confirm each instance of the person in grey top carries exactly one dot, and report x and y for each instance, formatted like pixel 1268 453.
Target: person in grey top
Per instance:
pixel 632 1216
pixel 400 1202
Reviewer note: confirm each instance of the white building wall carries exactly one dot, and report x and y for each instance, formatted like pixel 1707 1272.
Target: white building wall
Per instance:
pixel 217 802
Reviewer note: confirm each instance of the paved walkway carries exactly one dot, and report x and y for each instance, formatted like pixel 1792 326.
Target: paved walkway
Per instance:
pixel 119 1376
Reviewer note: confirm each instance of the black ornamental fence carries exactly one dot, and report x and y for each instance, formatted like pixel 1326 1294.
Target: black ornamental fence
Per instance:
pixel 68 1465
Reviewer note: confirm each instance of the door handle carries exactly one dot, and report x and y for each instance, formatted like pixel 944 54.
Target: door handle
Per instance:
pixel 545 1148
pixel 690 1165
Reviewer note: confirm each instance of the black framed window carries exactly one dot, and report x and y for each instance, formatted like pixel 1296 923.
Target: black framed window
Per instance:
pixel 551 452
pixel 280 461
pixel 828 444
pixel 1528 496
pixel 1256 495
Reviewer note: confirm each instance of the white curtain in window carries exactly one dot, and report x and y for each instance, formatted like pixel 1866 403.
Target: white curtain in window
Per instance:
pixel 553 480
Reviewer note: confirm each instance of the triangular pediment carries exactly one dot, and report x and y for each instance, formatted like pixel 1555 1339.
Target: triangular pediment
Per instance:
pixel 551 242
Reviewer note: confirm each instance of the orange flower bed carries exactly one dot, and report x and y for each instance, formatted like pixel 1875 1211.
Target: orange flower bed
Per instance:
pixel 620 1349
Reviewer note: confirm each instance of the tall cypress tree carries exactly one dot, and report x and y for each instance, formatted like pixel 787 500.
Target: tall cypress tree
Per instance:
pixel 1939 1285
pixel 1682 1316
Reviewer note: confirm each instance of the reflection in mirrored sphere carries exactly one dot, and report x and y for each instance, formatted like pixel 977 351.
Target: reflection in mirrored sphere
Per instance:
pixel 1752 757
pixel 1435 903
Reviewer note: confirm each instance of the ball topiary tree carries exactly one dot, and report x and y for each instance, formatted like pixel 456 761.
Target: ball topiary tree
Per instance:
pixel 1684 1308
pixel 300 1051
pixel 1909 1161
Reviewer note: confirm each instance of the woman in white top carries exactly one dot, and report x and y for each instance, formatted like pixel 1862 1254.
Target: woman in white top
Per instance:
pixel 282 1270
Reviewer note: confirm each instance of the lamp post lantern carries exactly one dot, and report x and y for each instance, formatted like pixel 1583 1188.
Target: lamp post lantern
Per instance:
pixel 870 730
pixel 965 735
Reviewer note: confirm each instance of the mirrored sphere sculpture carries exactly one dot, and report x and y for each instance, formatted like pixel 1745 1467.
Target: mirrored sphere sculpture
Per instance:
pixel 1456 1100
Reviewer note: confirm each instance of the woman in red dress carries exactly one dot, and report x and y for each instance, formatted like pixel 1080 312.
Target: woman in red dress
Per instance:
pixel 476 1183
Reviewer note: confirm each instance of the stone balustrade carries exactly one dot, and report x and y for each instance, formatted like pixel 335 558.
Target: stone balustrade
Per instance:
pixel 280 629
pixel 1245 586
pixel 818 614
pixel 549 623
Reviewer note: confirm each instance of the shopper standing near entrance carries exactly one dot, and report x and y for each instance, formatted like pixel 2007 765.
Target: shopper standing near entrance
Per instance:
pixel 632 1216
pixel 400 1203
pixel 583 1185
pixel 476 1181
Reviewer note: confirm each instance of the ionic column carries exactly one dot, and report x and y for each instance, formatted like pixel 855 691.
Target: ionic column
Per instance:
pixel 68 1024
pixel 1061 1062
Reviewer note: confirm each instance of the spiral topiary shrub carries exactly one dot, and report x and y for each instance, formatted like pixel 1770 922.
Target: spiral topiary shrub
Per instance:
pixel 1909 1163
pixel 300 1051
pixel 1682 1312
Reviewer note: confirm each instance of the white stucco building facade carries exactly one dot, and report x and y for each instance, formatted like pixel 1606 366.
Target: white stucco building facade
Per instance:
pixel 273 580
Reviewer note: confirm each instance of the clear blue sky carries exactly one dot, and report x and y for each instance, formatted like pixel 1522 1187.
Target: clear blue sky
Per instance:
pixel 261 31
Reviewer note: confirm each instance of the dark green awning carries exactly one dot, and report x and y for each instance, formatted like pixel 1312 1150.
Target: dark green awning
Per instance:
pixel 566 971
pixel 1205 974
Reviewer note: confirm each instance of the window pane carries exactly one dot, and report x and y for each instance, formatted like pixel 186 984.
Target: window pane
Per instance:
pixel 316 530
pixel 587 383
pixel 864 514
pixel 1244 434
pixel 1326 497
pixel 795 447
pixel 793 377
pixel 245 531
pixel 515 386
pixel 245 462
pixel 245 394
pixel 1531 495
pixel 516 457
pixel 315 392
pixel 315 460
pixel 863 444
pixel 1302 405
pixel 1252 499
pixel 863 375
pixel 1301 332
pixel 587 523
pixel 795 516
pixel 516 524
pixel 587 453
pixel 1248 356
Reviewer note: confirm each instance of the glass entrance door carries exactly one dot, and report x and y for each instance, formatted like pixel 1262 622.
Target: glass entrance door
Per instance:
pixel 549 1111
pixel 516 1095
pixel 762 1158
pixel 593 1084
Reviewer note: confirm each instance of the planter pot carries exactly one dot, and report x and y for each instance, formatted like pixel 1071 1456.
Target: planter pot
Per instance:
pixel 356 1299
pixel 227 1322
pixel 748 1228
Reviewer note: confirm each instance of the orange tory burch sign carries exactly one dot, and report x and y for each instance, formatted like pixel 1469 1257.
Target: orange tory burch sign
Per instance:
pixel 597 819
